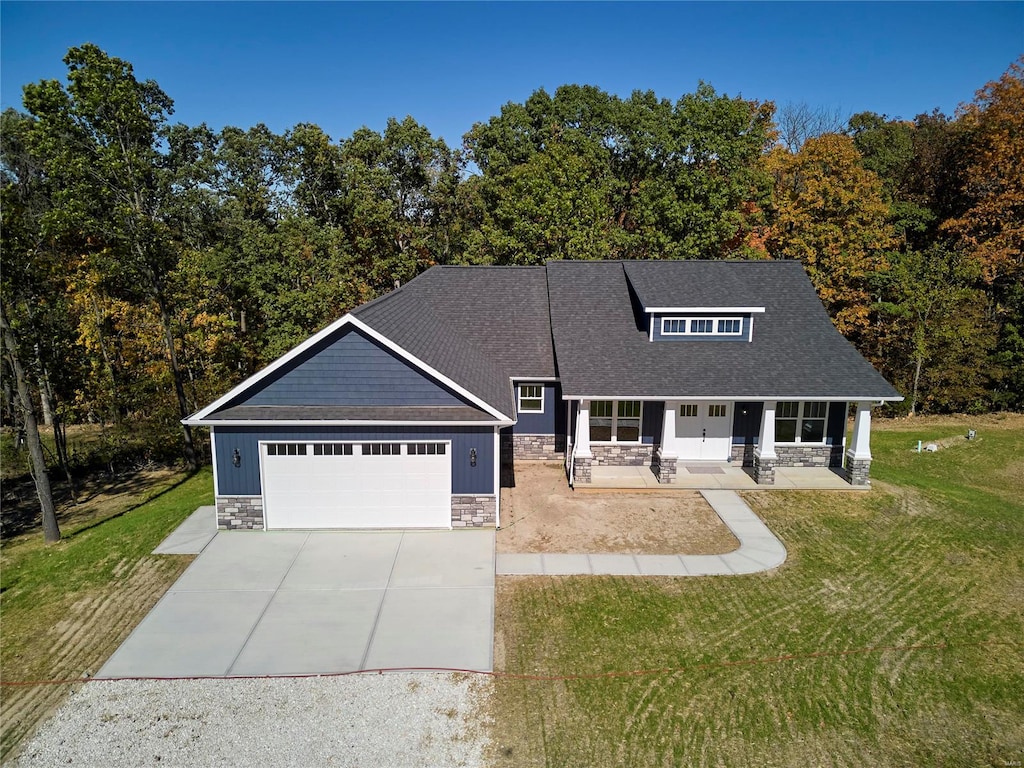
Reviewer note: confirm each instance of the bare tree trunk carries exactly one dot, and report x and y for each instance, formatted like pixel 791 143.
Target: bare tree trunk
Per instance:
pixel 60 442
pixel 51 530
pixel 917 378
pixel 179 387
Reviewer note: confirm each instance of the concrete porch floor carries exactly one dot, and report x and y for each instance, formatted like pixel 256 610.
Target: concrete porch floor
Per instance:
pixel 713 474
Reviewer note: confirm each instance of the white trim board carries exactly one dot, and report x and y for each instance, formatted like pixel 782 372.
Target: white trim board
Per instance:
pixel 739 398
pixel 340 423
pixel 704 309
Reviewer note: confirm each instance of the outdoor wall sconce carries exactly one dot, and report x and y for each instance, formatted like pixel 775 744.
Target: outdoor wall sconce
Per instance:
pixel 472 457
pixel 236 458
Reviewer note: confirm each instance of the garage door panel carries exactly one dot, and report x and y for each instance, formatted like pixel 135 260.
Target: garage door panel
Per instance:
pixel 357 491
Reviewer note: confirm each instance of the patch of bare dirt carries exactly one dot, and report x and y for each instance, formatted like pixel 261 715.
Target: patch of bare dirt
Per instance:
pixel 542 514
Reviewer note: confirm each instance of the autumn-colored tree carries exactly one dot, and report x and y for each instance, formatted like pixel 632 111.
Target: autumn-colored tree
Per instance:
pixel 830 214
pixel 992 227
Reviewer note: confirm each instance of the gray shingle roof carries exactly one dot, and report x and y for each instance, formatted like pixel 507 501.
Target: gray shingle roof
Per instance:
pixel 584 323
pixel 479 326
pixel 602 346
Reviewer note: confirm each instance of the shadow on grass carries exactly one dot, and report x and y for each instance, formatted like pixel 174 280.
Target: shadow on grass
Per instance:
pixel 97 523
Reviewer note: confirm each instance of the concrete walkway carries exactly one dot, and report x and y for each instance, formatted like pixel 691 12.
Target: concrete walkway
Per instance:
pixel 192 536
pixel 759 551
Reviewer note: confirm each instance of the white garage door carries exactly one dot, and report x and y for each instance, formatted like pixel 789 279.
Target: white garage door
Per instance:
pixel 357 485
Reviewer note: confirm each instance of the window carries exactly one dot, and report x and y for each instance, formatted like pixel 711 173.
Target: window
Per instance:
pixel 615 420
pixel 426 449
pixel 531 398
pixel 332 449
pixel 800 422
pixel 628 421
pixel 673 325
pixel 601 421
pixel 286 449
pixel 688 410
pixel 706 326
pixel 382 449
pixel 716 411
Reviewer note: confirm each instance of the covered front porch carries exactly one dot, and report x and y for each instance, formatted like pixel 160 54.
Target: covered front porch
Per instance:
pixel 718 475
pixel 718 443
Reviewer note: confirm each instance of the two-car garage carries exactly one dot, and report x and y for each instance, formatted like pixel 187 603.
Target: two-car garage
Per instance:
pixel 365 484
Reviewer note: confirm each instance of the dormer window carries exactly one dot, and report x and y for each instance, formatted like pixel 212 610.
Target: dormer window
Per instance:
pixel 701 326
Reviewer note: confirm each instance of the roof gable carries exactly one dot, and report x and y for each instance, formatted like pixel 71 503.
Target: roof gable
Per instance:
pixel 348 369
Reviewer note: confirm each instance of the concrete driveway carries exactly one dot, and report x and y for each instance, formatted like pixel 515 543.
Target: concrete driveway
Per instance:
pixel 317 602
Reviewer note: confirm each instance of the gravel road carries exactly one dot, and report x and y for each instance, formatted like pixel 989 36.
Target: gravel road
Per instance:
pixel 397 719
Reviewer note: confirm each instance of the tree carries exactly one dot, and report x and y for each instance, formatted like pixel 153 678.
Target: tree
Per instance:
pixel 798 121
pixel 51 530
pixel 101 140
pixel 829 214
pixel 992 227
pixel 644 178
pixel 933 328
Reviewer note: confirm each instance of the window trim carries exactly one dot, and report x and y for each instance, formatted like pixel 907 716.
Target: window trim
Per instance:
pixel 688 323
pixel 615 422
pixel 800 418
pixel 520 398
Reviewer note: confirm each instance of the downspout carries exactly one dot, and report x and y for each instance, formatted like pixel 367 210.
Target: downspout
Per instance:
pixel 572 453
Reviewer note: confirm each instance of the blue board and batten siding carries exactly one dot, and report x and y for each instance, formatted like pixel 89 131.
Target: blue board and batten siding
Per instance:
pixel 245 479
pixel 551 421
pixel 350 370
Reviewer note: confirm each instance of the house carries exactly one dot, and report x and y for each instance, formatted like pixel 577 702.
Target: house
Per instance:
pixel 402 412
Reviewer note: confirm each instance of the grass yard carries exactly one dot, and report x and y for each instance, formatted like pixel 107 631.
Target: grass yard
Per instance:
pixel 66 607
pixel 932 557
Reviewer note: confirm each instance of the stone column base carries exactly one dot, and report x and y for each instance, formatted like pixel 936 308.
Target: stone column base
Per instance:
pixel 664 468
pixel 857 470
pixel 581 470
pixel 764 470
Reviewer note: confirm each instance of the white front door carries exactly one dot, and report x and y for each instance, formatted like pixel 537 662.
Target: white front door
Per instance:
pixel 703 431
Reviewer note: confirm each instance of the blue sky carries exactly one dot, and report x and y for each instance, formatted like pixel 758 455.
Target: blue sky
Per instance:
pixel 345 65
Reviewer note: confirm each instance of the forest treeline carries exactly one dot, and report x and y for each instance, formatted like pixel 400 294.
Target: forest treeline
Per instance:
pixel 148 265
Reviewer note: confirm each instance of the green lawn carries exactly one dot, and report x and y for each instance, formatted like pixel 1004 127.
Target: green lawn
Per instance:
pixel 929 564
pixel 67 606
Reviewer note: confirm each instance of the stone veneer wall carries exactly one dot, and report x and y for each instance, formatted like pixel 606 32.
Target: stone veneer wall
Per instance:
pixel 240 512
pixel 542 447
pixel 474 511
pixel 809 455
pixel 621 454
pixel 794 455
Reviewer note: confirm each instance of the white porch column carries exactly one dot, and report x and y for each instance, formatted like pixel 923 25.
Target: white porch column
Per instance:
pixel 860 445
pixel 668 431
pixel 766 440
pixel 582 447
